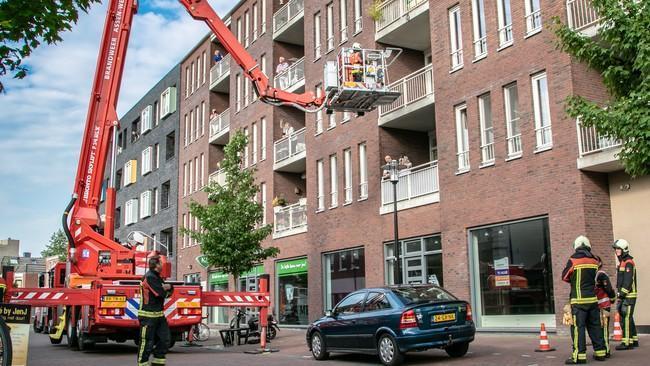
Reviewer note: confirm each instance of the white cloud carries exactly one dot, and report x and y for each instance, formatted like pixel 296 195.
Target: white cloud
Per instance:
pixel 42 116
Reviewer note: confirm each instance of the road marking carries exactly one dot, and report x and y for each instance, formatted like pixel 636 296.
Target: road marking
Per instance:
pixel 525 355
pixel 496 354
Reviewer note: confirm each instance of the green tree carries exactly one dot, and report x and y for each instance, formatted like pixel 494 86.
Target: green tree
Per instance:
pixel 232 232
pixel 58 245
pixel 621 53
pixel 25 24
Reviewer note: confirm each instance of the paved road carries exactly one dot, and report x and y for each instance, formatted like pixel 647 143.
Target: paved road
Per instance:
pixel 488 349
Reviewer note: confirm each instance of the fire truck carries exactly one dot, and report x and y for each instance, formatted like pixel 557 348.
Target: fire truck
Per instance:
pixel 95 295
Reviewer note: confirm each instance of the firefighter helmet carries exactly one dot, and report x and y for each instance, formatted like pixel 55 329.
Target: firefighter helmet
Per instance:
pixel 581 241
pixel 621 244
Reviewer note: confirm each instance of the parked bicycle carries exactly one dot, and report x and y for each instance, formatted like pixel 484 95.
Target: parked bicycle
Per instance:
pixel 201 331
pixel 253 324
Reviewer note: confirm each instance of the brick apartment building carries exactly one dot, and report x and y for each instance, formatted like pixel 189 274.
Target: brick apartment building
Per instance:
pixel 500 179
pixel 146 167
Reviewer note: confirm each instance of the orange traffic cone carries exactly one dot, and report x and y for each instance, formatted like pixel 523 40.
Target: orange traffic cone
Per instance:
pixel 618 332
pixel 544 345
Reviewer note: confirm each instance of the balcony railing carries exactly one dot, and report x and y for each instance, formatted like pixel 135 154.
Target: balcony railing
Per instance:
pixel 414 182
pixel 514 146
pixel 220 123
pixel 289 146
pixel 412 88
pixel 581 14
pixel 220 69
pixel 393 10
pixel 590 141
pixel 505 35
pixel 534 21
pixel 218 177
pixel 287 13
pixel 290 218
pixel 291 76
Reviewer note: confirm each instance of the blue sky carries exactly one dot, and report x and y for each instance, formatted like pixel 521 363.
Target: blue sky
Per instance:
pixel 42 116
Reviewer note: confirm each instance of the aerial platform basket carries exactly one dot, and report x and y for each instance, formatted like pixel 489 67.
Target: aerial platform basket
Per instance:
pixel 358 80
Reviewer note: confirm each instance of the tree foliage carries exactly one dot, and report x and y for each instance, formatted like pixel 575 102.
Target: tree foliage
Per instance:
pixel 58 245
pixel 25 24
pixel 621 53
pixel 231 232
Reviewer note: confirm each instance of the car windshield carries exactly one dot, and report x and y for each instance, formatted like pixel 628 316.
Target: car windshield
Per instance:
pixel 418 295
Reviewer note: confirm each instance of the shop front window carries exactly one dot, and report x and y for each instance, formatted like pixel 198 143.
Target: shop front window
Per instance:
pixel 344 272
pixel 249 282
pixel 218 281
pixel 292 293
pixel 512 274
pixel 421 260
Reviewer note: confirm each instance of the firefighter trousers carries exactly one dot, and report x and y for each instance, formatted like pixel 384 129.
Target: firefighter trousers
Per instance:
pixel 586 319
pixel 605 325
pixel 154 338
pixel 626 310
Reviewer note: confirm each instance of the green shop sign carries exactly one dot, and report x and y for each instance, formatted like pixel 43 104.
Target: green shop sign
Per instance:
pixel 255 271
pixel 203 261
pixel 218 277
pixel 291 267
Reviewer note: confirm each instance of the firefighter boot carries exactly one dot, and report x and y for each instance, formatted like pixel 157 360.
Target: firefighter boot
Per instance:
pixel 570 361
pixel 624 347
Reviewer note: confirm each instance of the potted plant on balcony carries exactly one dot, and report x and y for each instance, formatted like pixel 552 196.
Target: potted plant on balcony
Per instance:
pixel 279 202
pixel 375 10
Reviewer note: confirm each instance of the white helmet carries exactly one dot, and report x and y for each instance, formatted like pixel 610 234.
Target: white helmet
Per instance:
pixel 356 46
pixel 621 244
pixel 581 241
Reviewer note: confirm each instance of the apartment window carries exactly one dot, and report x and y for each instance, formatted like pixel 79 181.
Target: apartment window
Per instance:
pixel 255 21
pixel 347 155
pixel 487 132
pixel 185 227
pixel 192 135
pixel 456 35
pixel 130 172
pixel 170 145
pixel 147 119
pixel 187 81
pixel 462 138
pixel 197 174
pixel 193 79
pixel 321 185
pixel 504 13
pixel 186 125
pixel 254 127
pixel 345 117
pixel 118 179
pixel 198 122
pixel 156 156
pixel 511 102
pixel 146 160
pixel 135 130
pixel 168 101
pixel 343 15
pixel 533 16
pixel 331 120
pixel 263 63
pixel 239 30
pixel 542 112
pixel 246 91
pixel 156 200
pixel 191 176
pixel 358 23
pixel 118 217
pixel 131 211
pixel 165 189
pixel 330 27
pixel 203 121
pixel 317 45
pixel 333 182
pixel 238 92
pixel 247 26
pixel 319 114
pixel 363 171
pixel 421 260
pixel 263 12
pixel 205 67
pixel 202 170
pixel 185 179
pixel 246 148
pixel 263 148
pixel 145 204
pixel 198 71
pixel 480 32
pixel 263 194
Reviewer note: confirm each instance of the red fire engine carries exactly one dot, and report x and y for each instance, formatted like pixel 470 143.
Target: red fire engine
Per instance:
pixel 95 293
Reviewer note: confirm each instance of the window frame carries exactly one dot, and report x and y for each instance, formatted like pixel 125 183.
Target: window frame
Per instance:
pixel 334 181
pixel 504 29
pixel 462 138
pixel 320 185
pixel 455 38
pixel 479 29
pixel 487 148
pixel 540 109
pixel 512 140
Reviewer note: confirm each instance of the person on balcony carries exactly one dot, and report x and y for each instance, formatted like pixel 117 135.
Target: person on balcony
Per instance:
pixel 386 172
pixel 281 69
pixel 217 56
pixel 213 114
pixel 287 129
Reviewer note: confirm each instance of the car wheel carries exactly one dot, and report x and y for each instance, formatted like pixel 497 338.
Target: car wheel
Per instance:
pixel 318 349
pixel 389 352
pixel 457 350
pixel 83 343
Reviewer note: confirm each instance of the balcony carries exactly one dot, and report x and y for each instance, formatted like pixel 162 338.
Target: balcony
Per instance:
pixel 220 75
pixel 582 17
pixel 414 109
pixel 597 152
pixel 220 128
pixel 293 78
pixel 417 186
pixel 404 23
pixel 290 220
pixel 218 177
pixel 289 23
pixel 289 153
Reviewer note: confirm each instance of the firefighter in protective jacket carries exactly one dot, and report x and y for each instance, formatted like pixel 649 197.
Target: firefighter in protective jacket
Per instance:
pixel 154 330
pixel 605 294
pixel 580 272
pixel 626 291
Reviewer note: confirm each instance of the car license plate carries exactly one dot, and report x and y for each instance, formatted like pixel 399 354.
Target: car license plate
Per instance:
pixel 439 318
pixel 113 298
